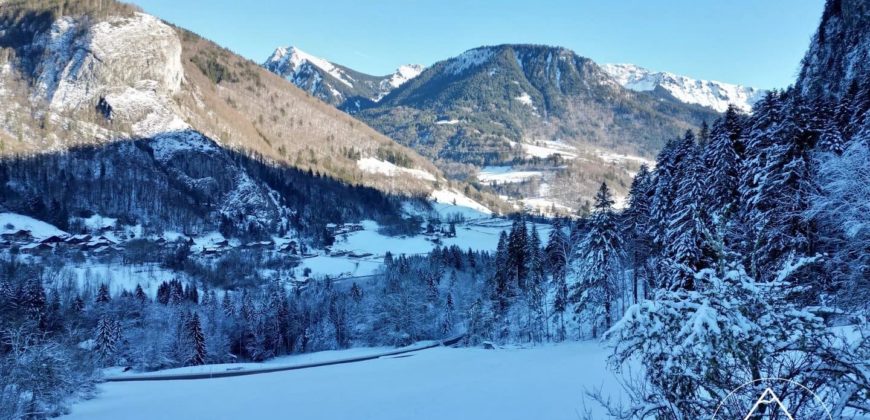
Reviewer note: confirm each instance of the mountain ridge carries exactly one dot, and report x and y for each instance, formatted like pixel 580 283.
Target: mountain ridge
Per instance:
pixel 709 93
pixel 334 83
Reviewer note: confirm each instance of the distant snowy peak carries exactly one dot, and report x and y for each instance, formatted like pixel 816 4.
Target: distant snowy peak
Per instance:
pixel 708 93
pixel 290 61
pixel 403 74
pixel 309 72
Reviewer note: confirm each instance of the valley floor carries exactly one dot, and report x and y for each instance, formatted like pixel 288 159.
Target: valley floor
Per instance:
pixel 546 382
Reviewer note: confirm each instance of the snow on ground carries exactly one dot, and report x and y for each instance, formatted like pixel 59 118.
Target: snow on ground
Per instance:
pixel 97 222
pixel 506 175
pixel 277 362
pixel 119 277
pixel 468 59
pixel 376 166
pixel 620 158
pixel 478 233
pixel 547 148
pixel 525 99
pixel 546 382
pixel 543 205
pixel 13 222
pixel 446 196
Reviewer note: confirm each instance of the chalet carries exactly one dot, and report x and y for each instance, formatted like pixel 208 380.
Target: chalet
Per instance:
pixel 18 235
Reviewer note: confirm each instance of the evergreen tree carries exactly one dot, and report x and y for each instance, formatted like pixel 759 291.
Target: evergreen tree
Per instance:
pixel 557 252
pixel 103 295
pixel 684 250
pixel 106 339
pixel 723 158
pixel 637 222
pixel 598 265
pixel 140 294
pixel 517 244
pixel 199 353
pixel 229 309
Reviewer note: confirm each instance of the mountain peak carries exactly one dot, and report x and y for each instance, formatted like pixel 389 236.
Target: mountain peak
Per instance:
pixel 334 83
pixel 708 93
pixel 290 60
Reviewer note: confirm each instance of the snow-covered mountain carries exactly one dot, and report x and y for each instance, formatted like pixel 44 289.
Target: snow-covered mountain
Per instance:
pixel 708 93
pixel 334 83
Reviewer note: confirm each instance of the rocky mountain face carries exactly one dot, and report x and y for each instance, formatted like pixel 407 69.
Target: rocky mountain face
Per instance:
pixel 838 58
pixel 333 83
pixel 707 93
pixel 113 99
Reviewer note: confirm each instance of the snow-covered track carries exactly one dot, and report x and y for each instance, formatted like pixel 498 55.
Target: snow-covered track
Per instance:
pixel 226 374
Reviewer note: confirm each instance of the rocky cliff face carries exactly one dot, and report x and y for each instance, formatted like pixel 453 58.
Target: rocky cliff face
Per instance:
pixel 839 54
pixel 129 65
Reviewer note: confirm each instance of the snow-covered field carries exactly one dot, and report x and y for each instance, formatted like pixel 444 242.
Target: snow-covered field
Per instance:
pixel 480 233
pixel 546 382
pixel 506 175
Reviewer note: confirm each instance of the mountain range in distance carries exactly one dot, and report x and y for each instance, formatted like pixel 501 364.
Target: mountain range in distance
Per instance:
pixel 335 83
pixel 517 109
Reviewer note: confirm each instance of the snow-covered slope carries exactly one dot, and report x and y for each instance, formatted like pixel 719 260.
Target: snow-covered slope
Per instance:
pixel 334 83
pixel 708 93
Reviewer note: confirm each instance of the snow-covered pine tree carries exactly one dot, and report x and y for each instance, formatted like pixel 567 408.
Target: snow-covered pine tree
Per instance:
pixel 447 319
pixel 537 288
pixel 558 252
pixel 636 228
pixel 684 250
pixel 517 244
pixel 103 295
pixel 597 267
pixel 722 157
pixel 198 354
pixel 106 339
pixel 778 184
pixel 139 294
pixel 500 285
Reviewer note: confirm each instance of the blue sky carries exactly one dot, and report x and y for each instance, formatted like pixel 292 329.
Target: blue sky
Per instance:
pixel 753 42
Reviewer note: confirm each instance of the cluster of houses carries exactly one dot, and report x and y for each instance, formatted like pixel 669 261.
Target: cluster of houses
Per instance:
pixel 26 242
pixel 290 247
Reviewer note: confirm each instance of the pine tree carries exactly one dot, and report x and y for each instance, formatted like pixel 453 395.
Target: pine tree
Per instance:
pixel 501 278
pixel 723 158
pixel 199 353
pixel 140 294
pixel 598 265
pixel 517 244
pixel 777 183
pixel 103 295
pixel 536 287
pixel 557 252
pixel 447 323
pixel 106 339
pixel 637 222
pixel 684 251
pixel 227 305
